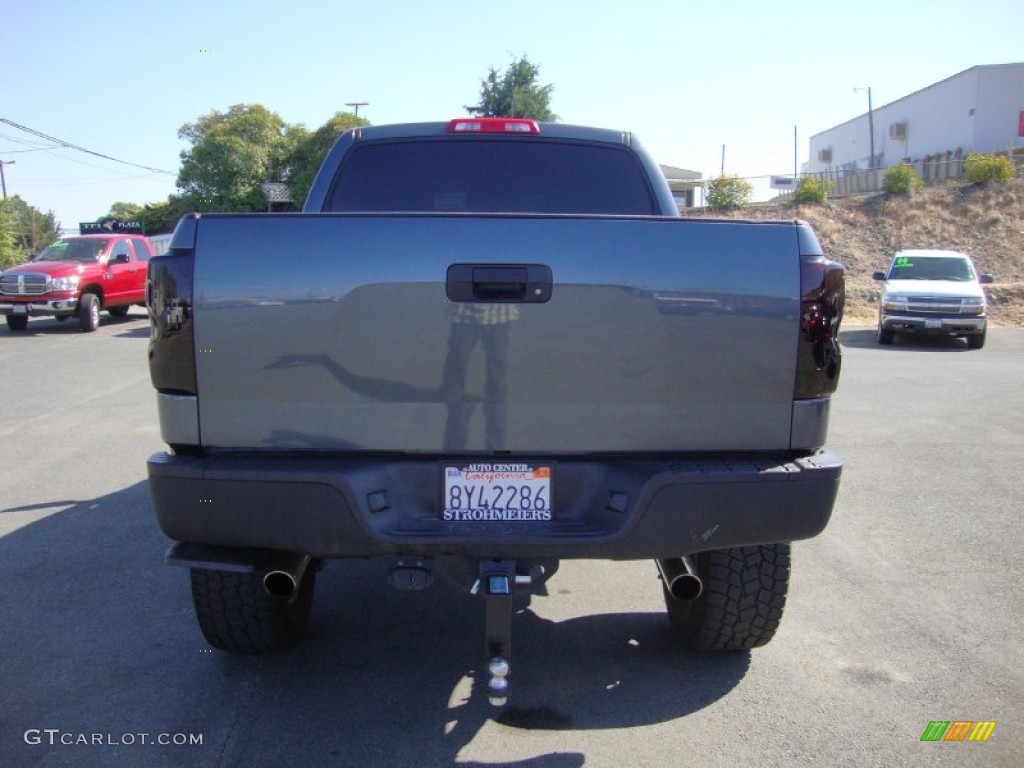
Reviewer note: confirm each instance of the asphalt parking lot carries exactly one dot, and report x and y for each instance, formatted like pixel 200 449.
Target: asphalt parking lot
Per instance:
pixel 907 610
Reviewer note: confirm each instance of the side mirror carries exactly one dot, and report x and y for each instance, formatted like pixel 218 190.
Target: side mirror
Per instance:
pixel 986 278
pixel 121 258
pixel 878 276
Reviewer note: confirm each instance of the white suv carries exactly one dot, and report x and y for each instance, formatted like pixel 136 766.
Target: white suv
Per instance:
pixel 933 292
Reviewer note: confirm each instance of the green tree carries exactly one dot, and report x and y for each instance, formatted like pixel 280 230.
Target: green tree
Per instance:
pixel 232 153
pixel 515 93
pixel 727 193
pixel 32 229
pixel 121 211
pixel 156 218
pixel 9 252
pixel 309 151
pixel 162 217
pixel 124 211
pixel 902 180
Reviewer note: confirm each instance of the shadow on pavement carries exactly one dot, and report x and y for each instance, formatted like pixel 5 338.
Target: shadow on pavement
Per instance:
pixel 48 326
pixel 868 339
pixel 100 638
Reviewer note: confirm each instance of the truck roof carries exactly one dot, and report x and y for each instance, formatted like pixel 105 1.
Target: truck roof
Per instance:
pixel 514 135
pixel 545 130
pixel 930 253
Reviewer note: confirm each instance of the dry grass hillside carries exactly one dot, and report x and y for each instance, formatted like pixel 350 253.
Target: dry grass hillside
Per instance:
pixel 986 222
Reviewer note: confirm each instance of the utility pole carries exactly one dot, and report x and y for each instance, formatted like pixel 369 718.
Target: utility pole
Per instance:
pixel 3 179
pixel 723 161
pixel 356 105
pixel 871 128
pixel 794 157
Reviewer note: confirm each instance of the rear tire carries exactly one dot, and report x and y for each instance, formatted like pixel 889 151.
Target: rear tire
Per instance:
pixel 742 602
pixel 89 312
pixel 17 322
pixel 118 311
pixel 237 615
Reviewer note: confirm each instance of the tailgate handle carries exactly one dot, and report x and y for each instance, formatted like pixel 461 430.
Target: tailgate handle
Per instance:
pixel 498 283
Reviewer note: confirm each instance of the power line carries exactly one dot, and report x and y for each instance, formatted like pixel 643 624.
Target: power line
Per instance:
pixel 36 149
pixel 35 146
pixel 68 145
pixel 65 183
pixel 48 150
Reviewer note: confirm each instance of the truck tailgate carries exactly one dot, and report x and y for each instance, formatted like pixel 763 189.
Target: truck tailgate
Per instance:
pixel 335 332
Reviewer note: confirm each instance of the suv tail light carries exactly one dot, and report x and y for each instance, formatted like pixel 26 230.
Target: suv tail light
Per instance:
pixel 822 297
pixel 514 125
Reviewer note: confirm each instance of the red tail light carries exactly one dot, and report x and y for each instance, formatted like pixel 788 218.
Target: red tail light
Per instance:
pixel 512 125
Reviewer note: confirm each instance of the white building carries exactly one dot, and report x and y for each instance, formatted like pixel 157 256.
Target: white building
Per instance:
pixel 683 184
pixel 978 110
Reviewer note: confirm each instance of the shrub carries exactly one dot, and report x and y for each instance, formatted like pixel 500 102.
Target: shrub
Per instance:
pixel 902 180
pixel 811 189
pixel 728 192
pixel 981 169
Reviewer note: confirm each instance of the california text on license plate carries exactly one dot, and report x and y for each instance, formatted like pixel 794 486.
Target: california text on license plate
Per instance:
pixel 510 491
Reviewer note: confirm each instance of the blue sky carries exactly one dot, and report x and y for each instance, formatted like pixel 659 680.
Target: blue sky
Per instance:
pixel 120 78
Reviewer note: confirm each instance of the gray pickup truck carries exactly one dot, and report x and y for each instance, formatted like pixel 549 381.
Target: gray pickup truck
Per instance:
pixel 485 346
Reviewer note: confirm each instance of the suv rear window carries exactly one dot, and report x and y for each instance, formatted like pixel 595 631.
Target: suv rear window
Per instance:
pixel 491 176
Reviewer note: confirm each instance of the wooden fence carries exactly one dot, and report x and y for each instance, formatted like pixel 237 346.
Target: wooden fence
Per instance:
pixel 931 169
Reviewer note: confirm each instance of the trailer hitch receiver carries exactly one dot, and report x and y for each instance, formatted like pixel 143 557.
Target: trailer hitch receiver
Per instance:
pixel 499 580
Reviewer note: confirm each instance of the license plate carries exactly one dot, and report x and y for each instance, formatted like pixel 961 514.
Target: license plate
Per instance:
pixel 932 323
pixel 497 491
pixel 19 309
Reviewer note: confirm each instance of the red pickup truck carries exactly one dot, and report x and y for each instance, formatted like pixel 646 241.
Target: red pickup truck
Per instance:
pixel 77 276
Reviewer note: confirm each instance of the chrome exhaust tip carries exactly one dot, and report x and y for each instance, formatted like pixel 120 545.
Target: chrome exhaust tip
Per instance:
pixel 680 577
pixel 282 579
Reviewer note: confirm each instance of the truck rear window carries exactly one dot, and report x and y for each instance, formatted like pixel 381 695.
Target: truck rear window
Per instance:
pixel 491 176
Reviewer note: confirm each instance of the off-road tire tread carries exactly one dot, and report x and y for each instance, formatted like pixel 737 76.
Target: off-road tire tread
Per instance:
pixel 742 602
pixel 236 615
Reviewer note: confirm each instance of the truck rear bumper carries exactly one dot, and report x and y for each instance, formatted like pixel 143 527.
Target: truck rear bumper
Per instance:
pixel 610 508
